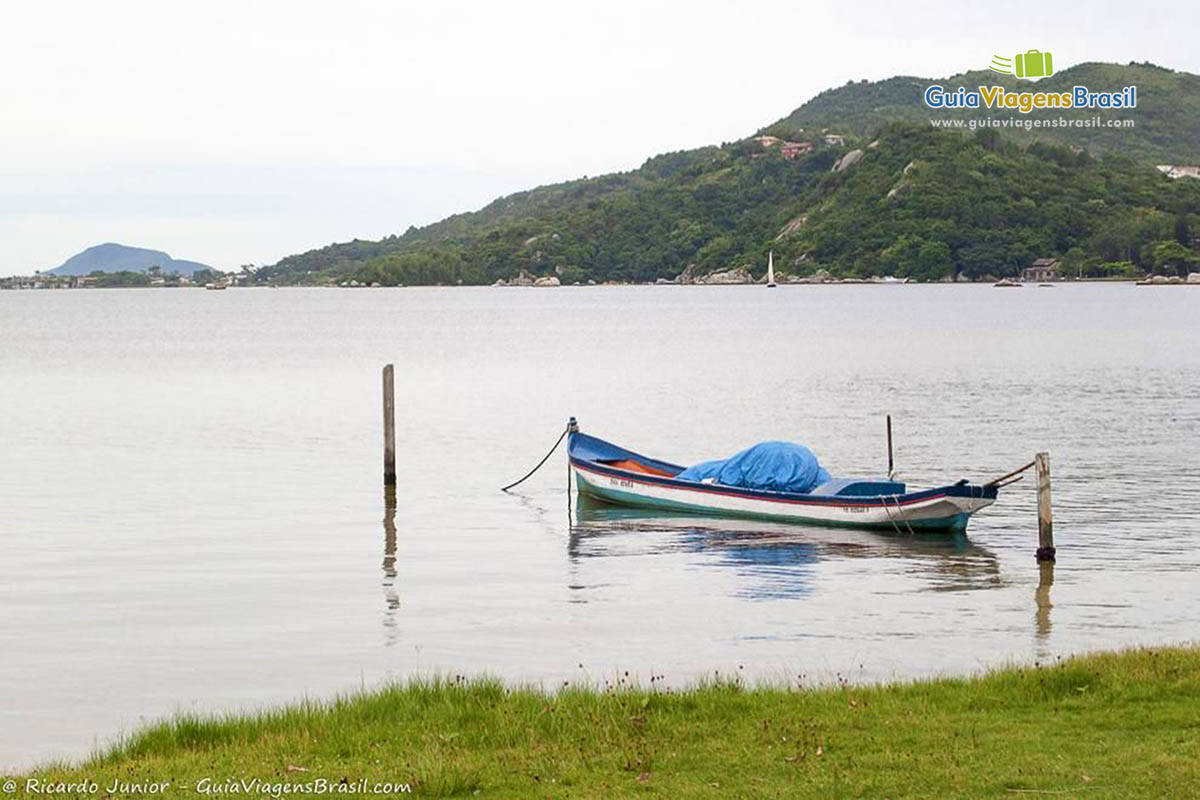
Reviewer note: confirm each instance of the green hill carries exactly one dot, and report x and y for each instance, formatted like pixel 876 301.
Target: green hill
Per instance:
pixel 1167 117
pixel 919 202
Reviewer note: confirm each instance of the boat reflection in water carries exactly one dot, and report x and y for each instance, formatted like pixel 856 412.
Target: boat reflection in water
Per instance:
pixel 775 560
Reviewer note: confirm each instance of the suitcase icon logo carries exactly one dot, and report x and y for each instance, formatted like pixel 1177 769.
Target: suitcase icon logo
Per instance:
pixel 1034 64
pixel 1030 64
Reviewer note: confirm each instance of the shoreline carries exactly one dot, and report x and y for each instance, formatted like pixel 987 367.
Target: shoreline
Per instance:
pixel 842 282
pixel 1116 724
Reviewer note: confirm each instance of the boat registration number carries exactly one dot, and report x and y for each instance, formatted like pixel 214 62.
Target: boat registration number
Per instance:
pixel 622 483
pixel 854 509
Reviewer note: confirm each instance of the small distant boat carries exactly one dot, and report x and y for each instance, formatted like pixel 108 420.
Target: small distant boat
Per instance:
pixel 610 473
pixel 771 269
pixel 1005 283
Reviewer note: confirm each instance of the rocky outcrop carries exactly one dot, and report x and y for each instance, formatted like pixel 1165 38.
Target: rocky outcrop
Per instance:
pixel 726 277
pixel 549 280
pixel 523 279
pixel 691 274
pixel 1193 277
pixel 792 226
pixel 1163 280
pixel 848 160
pixel 820 276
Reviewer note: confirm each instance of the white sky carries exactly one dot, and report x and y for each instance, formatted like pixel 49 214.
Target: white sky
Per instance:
pixel 236 132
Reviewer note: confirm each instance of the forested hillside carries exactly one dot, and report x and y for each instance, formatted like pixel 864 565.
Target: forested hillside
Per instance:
pixel 898 198
pixel 1166 126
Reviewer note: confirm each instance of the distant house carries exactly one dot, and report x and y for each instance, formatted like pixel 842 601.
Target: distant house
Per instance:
pixel 1179 170
pixel 767 141
pixel 792 149
pixel 1041 271
pixel 84 281
pixel 835 139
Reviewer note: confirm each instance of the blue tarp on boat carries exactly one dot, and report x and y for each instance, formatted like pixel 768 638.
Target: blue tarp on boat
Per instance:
pixel 775 466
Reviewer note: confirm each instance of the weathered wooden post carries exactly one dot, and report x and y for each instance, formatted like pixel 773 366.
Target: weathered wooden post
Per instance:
pixel 1045 551
pixel 389 427
pixel 891 465
pixel 1042 598
pixel 389 532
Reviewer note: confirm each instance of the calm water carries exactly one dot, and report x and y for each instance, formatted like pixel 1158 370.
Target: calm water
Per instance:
pixel 191 515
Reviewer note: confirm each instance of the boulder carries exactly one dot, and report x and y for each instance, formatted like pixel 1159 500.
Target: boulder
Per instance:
pixel 1193 277
pixel 820 276
pixel 792 226
pixel 848 160
pixel 690 275
pixel 664 282
pixel 523 279
pixel 500 282
pixel 728 276
pixel 549 280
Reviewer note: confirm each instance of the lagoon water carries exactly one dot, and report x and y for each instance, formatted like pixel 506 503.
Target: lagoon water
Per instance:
pixel 192 518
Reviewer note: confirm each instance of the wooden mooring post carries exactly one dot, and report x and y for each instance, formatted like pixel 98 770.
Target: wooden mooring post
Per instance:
pixel 389 426
pixel 891 461
pixel 1045 551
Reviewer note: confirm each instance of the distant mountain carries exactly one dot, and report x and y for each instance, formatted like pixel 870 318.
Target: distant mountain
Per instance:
pixel 120 258
pixel 867 186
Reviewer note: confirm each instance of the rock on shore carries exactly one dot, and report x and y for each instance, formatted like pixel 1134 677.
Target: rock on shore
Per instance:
pixel 525 279
pixel 729 276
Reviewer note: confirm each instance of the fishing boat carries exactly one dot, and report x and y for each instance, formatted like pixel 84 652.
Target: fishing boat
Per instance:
pixel 613 474
pixel 771 269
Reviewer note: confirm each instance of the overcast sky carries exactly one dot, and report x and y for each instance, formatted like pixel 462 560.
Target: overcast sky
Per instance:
pixel 239 132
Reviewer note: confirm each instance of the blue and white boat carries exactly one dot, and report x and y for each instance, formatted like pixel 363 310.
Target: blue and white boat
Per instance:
pixel 610 473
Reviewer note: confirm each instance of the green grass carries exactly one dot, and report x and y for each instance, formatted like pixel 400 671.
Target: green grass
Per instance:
pixel 1109 725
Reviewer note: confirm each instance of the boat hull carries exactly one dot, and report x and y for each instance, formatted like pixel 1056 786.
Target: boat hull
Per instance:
pixel 947 509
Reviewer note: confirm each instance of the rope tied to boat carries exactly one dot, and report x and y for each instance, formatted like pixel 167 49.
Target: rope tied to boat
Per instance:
pixel 571 425
pixel 1010 477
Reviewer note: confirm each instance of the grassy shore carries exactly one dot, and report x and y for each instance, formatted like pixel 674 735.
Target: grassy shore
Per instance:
pixel 1109 725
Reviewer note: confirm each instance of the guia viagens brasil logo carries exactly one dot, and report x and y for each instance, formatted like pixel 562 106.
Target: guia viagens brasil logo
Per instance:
pixel 1029 65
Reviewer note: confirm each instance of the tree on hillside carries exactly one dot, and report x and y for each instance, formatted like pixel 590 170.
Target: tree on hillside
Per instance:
pixel 1171 257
